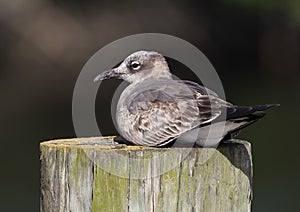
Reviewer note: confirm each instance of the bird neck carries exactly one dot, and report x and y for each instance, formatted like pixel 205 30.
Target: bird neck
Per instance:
pixel 153 75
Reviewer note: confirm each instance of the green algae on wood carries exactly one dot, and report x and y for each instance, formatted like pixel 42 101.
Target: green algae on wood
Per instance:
pixel 96 174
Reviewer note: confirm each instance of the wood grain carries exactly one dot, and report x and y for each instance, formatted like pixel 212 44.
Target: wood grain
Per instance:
pixel 97 174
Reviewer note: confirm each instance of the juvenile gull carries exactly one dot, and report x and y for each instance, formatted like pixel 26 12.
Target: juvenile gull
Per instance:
pixel 155 109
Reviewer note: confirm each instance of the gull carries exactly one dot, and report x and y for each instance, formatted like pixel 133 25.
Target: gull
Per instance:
pixel 155 110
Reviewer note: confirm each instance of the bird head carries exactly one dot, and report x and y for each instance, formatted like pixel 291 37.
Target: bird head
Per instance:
pixel 139 66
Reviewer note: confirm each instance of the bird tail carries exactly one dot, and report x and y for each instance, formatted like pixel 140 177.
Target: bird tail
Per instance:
pixel 237 112
pixel 243 116
pixel 222 129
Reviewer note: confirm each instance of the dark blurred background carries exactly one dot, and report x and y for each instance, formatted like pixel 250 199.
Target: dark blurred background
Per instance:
pixel 253 45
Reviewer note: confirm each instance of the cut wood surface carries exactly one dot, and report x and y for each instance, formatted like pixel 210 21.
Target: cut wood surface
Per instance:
pixel 97 174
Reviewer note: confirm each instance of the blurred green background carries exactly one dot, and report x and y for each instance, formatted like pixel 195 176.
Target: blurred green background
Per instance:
pixel 253 45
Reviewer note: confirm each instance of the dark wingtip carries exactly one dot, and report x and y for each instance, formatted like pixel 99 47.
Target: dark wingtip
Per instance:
pixel 242 111
pixel 265 107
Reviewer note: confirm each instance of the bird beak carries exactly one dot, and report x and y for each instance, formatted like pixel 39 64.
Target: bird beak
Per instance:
pixel 107 75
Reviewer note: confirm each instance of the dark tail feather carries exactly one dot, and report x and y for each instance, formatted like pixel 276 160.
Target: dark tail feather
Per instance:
pixel 245 116
pixel 244 111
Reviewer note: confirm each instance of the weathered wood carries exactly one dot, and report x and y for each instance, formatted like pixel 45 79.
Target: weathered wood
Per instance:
pixel 96 174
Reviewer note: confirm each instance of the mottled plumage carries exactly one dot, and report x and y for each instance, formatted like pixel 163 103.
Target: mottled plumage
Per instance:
pixel 155 109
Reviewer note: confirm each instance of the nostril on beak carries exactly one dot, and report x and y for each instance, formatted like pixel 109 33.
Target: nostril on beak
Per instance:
pixel 106 75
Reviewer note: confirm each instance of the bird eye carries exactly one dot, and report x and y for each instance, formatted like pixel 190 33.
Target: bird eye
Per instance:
pixel 135 65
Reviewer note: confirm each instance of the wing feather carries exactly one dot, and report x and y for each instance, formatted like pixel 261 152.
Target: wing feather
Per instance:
pixel 161 113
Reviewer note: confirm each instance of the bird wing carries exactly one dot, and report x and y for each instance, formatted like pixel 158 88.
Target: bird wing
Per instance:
pixel 160 114
pixel 198 88
pixel 209 104
pixel 163 112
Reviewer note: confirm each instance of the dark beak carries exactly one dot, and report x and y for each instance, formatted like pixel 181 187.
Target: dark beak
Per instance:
pixel 106 75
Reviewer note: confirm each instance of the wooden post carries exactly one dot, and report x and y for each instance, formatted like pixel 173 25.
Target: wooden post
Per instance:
pixel 96 174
